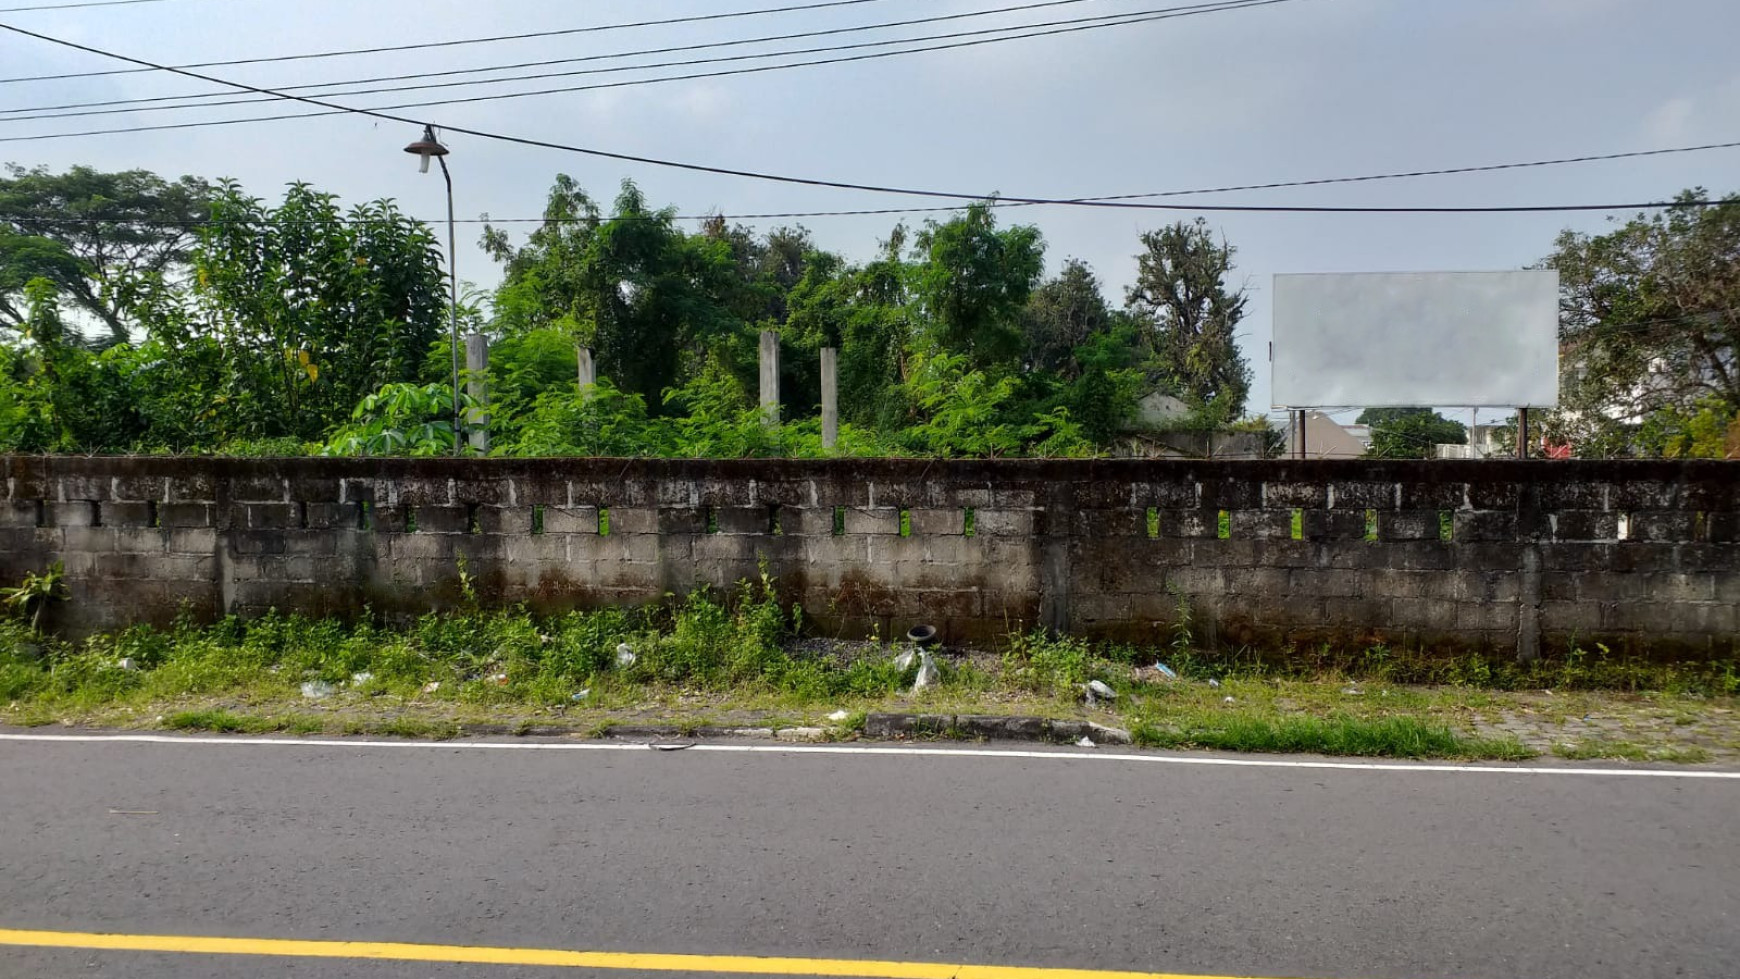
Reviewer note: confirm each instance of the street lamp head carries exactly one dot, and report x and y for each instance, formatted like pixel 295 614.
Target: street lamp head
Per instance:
pixel 427 148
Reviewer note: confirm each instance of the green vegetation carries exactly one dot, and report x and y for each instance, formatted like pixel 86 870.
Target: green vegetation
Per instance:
pixel 1338 734
pixel 224 324
pixel 743 655
pixel 1651 333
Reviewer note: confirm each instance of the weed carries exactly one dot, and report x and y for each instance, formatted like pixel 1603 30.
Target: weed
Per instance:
pixel 221 721
pixel 1040 660
pixel 1340 734
pixel 28 598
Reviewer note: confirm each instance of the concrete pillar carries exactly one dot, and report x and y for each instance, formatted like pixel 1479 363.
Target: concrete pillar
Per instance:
pixel 830 397
pixel 477 419
pixel 588 372
pixel 770 376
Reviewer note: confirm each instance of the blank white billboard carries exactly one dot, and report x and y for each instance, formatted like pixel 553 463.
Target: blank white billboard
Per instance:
pixel 1395 339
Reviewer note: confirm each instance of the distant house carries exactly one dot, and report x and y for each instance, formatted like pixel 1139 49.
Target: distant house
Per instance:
pixel 1325 438
pixel 1159 432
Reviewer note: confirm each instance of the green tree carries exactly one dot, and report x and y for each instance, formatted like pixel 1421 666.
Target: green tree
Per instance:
pixel 972 282
pixel 94 235
pixel 1191 317
pixel 300 311
pixel 1410 433
pixel 645 296
pixel 1650 330
pixel 1062 315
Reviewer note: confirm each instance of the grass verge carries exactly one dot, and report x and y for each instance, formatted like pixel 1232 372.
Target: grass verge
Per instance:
pixel 1340 734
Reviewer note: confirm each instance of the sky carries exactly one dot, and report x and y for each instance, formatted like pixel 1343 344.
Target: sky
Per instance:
pixel 1295 90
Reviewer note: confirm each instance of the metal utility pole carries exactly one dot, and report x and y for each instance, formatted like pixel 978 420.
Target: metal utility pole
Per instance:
pixel 429 147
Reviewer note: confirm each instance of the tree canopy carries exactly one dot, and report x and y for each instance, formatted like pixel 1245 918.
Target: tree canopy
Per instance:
pixel 237 325
pixel 1650 333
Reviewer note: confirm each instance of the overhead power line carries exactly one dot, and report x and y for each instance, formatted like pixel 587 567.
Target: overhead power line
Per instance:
pixel 74 6
pixel 591 29
pixel 614 56
pixel 841 184
pixel 1072 26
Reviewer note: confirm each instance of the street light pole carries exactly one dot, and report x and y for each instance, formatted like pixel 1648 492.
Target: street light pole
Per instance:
pixel 426 148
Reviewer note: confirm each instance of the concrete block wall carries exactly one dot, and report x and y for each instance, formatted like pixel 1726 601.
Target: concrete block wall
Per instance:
pixel 1498 555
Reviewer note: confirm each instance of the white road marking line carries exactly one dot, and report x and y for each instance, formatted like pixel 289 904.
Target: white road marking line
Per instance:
pixel 922 752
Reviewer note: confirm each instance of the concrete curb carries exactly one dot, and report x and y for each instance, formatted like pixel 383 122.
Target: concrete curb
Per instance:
pixel 989 727
pixel 878 727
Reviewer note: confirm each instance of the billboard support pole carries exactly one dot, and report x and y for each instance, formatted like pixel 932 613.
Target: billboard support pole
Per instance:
pixel 1522 433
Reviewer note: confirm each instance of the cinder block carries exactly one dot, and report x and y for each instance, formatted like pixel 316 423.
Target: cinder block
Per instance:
pixel 674 520
pixel 1260 524
pixel 1643 494
pixel 1486 616
pixel 270 516
pixel 1423 615
pixel 442 519
pixel 140 488
pixel 186 487
pixel 75 513
pixel 91 488
pixel 1661 526
pixel 635 520
pixel 503 519
pixel 332 516
pixel 1634 556
pixel 1333 525
pixel 1584 525
pixel 1310 496
pixel 416 491
pixel 743 521
pixel 131 514
pixel 1189 524
pixel 1677 588
pixel 23 513
pixel 1325 583
pixel 192 540
pixel 1363 495
pixel 1484 525
pixel 878 521
pixel 186 515
pixel 1231 494
pixel 807 521
pixel 1434 495
pixel 930 522
pixel 421 546
pixel 1173 494
pixel 571 520
pixel 259 489
pixel 1409 525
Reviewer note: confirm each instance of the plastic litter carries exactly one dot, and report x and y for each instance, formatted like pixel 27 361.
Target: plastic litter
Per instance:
pixel 1226 700
pixel 903 662
pixel 318 690
pixel 129 665
pixel 1165 671
pixel 1214 684
pixel 839 715
pixel 500 679
pixel 358 679
pixel 670 747
pixel 582 695
pixel 625 657
pixel 432 686
pixel 928 674
pixel 1085 743
pixel 1353 692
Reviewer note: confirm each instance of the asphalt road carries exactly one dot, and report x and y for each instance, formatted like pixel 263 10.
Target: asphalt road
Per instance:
pixel 1016 861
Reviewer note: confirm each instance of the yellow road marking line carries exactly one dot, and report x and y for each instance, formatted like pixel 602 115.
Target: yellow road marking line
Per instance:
pixel 552 958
